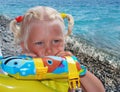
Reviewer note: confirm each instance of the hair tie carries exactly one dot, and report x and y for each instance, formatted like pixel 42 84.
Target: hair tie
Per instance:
pixel 63 15
pixel 19 18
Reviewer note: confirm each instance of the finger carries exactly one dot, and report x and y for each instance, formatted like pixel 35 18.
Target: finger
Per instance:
pixel 30 54
pixel 65 53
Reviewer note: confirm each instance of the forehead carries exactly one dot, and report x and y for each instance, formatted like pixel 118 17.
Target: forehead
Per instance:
pixel 46 28
pixel 47 25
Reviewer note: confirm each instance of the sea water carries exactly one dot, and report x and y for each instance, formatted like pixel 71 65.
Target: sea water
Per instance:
pixel 97 22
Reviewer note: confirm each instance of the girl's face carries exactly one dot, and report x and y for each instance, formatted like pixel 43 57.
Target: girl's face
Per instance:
pixel 45 38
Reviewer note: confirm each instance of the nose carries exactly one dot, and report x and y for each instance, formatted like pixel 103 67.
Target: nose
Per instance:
pixel 48 50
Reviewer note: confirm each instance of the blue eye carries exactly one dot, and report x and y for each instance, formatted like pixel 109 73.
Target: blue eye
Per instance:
pixel 50 62
pixel 38 43
pixel 56 41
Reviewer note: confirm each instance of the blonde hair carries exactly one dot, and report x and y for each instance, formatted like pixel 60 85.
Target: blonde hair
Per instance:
pixel 21 29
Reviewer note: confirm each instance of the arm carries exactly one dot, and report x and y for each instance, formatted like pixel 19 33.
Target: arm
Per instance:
pixel 91 83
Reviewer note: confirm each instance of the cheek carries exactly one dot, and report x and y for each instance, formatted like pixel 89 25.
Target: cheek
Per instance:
pixel 38 51
pixel 59 47
pixel 34 49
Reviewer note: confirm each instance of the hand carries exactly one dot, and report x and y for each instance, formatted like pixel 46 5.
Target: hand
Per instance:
pixel 64 53
pixel 29 54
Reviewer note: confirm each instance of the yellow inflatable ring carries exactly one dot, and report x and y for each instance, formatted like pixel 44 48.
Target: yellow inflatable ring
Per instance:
pixel 9 84
pixel 52 81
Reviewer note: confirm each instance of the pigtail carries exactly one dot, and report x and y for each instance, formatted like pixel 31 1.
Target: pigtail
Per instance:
pixel 16 30
pixel 70 22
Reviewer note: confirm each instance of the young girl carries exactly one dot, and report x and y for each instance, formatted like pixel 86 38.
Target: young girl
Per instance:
pixel 41 32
